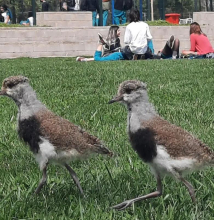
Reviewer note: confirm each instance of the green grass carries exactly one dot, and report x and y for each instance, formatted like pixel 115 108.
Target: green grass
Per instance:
pixel 11 25
pixel 182 92
pixel 18 25
pixel 160 23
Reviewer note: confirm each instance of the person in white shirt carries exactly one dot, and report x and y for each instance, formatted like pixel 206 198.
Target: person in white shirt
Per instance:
pixel 137 36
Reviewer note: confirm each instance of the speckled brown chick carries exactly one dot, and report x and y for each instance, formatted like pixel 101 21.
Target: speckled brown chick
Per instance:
pixel 166 148
pixel 50 137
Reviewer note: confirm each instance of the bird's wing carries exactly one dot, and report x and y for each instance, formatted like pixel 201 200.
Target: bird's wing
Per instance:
pixel 65 135
pixel 177 141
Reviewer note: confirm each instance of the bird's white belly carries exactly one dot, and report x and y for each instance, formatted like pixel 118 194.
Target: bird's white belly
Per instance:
pixel 47 153
pixel 165 164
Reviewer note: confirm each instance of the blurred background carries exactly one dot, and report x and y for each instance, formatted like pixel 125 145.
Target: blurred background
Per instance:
pixel 185 8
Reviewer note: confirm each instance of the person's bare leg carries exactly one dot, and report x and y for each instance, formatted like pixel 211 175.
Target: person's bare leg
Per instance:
pixel 43 180
pixel 187 52
pixel 90 59
pixel 100 47
pixel 128 203
pixel 82 59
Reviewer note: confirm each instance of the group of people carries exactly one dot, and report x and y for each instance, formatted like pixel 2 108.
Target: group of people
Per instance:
pixel 73 5
pixel 6 16
pixel 139 44
pixel 120 9
pixel 119 13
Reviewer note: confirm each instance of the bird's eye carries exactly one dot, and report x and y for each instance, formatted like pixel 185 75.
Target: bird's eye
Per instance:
pixel 10 85
pixel 128 91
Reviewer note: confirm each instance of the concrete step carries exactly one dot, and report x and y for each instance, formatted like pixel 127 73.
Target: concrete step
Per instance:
pixel 64 19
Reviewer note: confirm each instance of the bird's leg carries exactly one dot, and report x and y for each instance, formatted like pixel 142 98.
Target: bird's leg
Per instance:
pixel 128 203
pixel 43 180
pixel 74 176
pixel 189 187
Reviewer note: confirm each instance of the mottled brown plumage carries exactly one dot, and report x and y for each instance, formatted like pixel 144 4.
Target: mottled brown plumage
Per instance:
pixel 66 136
pixel 178 142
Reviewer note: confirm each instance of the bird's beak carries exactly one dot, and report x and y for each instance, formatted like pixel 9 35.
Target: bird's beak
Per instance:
pixel 116 99
pixel 2 92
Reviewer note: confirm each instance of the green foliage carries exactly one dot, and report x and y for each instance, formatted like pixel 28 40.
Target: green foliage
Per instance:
pixel 182 92
pixel 160 23
pixel 11 25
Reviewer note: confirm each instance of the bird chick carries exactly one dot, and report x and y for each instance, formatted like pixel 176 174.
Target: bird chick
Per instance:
pixel 166 148
pixel 50 137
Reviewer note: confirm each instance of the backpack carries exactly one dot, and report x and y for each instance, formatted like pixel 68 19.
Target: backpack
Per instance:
pixel 10 14
pixel 127 4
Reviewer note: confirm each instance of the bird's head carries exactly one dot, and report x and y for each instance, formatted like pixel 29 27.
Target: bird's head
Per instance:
pixel 130 91
pixel 13 87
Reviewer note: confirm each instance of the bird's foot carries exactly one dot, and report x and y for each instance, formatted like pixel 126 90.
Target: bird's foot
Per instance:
pixel 123 205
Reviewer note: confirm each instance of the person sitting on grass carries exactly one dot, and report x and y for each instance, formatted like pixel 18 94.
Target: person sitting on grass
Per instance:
pixel 170 50
pixel 108 46
pixel 29 21
pixel 200 44
pixel 137 38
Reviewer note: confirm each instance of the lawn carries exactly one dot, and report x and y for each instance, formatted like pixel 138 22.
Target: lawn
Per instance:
pixel 182 92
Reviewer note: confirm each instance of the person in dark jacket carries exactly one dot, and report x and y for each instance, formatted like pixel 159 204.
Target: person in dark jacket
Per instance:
pixel 45 5
pixel 91 5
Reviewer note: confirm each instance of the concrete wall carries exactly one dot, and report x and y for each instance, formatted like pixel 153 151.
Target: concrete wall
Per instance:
pixel 204 18
pixel 71 42
pixel 64 19
pixel 77 40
